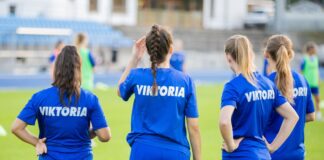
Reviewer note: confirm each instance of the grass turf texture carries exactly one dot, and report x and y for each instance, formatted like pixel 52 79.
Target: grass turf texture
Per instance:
pixel 118 114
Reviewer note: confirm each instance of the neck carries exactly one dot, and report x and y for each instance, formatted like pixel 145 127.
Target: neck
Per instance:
pixel 272 65
pixel 165 64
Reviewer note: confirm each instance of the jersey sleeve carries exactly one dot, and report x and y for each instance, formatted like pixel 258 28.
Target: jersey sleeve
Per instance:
pixel 97 116
pixel 265 67
pixel 191 109
pixel 126 89
pixel 310 104
pixel 279 98
pixel 302 65
pixel 51 59
pixel 229 96
pixel 92 59
pixel 29 112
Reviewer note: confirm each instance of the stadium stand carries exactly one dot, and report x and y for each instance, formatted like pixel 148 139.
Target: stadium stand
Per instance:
pixel 34 33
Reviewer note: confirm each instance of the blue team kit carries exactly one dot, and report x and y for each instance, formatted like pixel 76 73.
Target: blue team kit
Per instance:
pixel 174 101
pixel 303 105
pixel 66 128
pixel 253 104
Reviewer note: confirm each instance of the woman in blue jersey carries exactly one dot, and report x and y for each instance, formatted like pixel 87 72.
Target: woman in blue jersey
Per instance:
pixel 295 89
pixel 165 101
pixel 68 116
pixel 247 103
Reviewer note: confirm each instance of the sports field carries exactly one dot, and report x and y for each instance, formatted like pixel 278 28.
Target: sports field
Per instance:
pixel 118 115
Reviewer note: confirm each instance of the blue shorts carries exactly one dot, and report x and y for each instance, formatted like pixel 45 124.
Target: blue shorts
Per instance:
pixel 315 91
pixel 66 156
pixel 142 151
pixel 247 150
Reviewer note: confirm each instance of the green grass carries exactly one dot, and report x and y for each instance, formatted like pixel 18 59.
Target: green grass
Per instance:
pixel 118 114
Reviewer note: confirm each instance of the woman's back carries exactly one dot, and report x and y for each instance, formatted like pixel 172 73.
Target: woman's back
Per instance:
pixel 66 128
pixel 254 105
pixel 303 105
pixel 160 117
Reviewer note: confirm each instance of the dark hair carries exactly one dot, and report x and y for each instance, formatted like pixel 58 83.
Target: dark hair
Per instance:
pixel 67 74
pixel 158 42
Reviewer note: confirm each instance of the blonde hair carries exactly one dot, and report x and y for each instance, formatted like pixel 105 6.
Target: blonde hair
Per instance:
pixel 240 49
pixel 280 49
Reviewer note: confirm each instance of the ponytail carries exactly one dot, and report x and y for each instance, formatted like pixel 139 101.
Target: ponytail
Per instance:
pixel 280 50
pixel 240 49
pixel 284 79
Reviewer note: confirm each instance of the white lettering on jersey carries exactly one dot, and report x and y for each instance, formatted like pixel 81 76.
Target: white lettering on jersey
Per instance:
pixel 170 91
pixel 300 91
pixel 63 111
pixel 259 95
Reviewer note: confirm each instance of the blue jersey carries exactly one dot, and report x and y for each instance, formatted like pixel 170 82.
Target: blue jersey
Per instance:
pixel 303 105
pixel 66 128
pixel 253 107
pixel 177 61
pixel 265 67
pixel 160 120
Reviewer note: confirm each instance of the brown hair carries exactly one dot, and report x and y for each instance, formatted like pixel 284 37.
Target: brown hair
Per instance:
pixel 240 49
pixel 309 46
pixel 280 49
pixel 158 42
pixel 80 39
pixel 67 74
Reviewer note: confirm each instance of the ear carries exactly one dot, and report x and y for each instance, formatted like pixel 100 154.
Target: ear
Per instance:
pixel 171 50
pixel 266 55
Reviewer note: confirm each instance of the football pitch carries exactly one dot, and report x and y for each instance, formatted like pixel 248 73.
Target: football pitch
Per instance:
pixel 118 115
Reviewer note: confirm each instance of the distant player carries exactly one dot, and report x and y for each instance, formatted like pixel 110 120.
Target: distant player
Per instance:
pixel 58 47
pixel 88 62
pixel 246 106
pixel 177 60
pixel 310 69
pixel 68 116
pixel 165 103
pixel 295 89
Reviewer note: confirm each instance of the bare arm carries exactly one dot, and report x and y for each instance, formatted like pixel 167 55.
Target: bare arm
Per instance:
pixel 19 129
pixel 290 119
pixel 103 134
pixel 138 52
pixel 194 136
pixel 310 117
pixel 225 126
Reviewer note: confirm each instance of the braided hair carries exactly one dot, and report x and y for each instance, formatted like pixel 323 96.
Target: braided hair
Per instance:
pixel 158 42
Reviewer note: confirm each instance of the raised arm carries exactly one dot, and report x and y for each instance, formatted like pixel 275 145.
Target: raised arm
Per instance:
pixel 137 54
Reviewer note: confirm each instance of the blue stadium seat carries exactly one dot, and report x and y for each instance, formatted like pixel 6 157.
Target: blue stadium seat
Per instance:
pixel 99 34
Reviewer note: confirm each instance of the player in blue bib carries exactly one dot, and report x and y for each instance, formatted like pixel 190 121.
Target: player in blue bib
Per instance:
pixel 295 88
pixel 178 57
pixel 68 116
pixel 164 105
pixel 246 106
